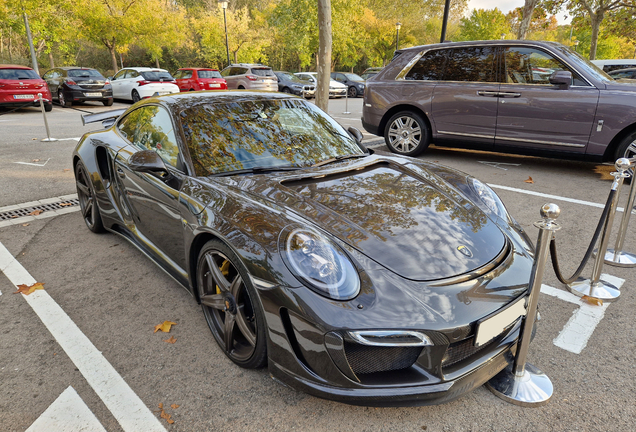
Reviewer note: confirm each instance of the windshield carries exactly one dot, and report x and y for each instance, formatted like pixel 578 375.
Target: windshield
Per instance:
pixel 18 74
pixel 263 133
pixel 157 76
pixel 590 67
pixel 85 73
pixel 290 77
pixel 354 77
pixel 209 74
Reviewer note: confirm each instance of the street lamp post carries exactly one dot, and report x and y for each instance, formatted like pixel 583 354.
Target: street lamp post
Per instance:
pixel 576 44
pixel 398 25
pixel 223 4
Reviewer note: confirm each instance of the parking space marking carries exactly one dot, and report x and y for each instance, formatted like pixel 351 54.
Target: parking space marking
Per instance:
pixel 579 328
pixel 68 413
pixel 554 197
pixel 34 164
pixel 127 408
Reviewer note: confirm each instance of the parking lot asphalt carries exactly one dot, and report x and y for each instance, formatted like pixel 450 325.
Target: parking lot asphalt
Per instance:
pixel 115 297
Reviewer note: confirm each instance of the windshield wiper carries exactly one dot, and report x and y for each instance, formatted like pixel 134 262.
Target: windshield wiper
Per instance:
pixel 339 158
pixel 256 170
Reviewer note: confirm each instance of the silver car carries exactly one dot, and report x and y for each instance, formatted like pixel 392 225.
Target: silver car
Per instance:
pixel 336 89
pixel 247 76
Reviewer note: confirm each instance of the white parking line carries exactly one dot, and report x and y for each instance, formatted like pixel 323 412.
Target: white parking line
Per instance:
pixel 68 413
pixel 130 411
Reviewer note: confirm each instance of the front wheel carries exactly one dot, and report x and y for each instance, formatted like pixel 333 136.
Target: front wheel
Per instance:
pixel 48 107
pixel 627 147
pixel 86 196
pixel 407 134
pixel 286 90
pixel 107 102
pixel 135 96
pixel 231 306
pixel 352 92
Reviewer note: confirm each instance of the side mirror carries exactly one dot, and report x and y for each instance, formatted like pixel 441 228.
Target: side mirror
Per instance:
pixel 357 136
pixel 561 78
pixel 148 161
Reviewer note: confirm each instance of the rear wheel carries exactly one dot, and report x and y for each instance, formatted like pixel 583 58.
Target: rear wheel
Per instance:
pixel 63 102
pixel 407 134
pixel 135 96
pixel 86 197
pixel 107 102
pixel 230 305
pixel 241 87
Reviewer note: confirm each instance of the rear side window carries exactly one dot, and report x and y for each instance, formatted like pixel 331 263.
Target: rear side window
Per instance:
pixel 430 67
pixel 475 64
pixel 209 74
pixel 18 74
pixel 263 72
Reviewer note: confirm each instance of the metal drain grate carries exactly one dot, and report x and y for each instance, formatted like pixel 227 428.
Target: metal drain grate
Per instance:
pixel 44 207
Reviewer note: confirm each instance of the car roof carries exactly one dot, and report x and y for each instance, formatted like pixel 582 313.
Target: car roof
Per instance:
pixel 145 69
pixel 498 42
pixel 12 66
pixel 198 68
pixel 74 68
pixel 179 101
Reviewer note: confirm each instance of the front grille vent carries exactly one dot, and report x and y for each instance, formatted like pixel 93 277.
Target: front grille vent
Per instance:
pixel 13 214
pixel 463 350
pixel 365 359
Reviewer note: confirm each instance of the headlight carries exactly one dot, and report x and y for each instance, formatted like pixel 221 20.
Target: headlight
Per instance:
pixel 321 265
pixel 489 198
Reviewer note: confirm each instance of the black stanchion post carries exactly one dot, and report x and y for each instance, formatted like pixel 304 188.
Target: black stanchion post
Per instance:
pixel 46 124
pixel 595 286
pixel 522 383
pixel 617 257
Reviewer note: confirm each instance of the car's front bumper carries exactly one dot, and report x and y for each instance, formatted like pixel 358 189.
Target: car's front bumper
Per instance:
pixel 338 92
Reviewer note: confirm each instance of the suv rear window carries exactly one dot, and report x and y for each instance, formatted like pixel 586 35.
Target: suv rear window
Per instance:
pixel 264 72
pixel 18 74
pixel 430 67
pixel 476 64
pixel 157 76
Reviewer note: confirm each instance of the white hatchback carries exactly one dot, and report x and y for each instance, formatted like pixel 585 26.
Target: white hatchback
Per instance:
pixel 136 83
pixel 336 89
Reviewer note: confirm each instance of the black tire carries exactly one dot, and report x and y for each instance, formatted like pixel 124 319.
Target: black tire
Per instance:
pixel 406 133
pixel 63 102
pixel 231 305
pixel 352 92
pixel 241 87
pixel 88 203
pixel 135 96
pixel 107 102
pixel 286 90
pixel 48 107
pixel 627 147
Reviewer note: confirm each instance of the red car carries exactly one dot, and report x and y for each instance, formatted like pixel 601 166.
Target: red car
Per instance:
pixel 193 79
pixel 20 85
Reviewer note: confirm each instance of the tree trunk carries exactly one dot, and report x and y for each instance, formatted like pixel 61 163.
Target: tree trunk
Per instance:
pixel 528 9
pixel 51 61
pixel 157 63
pixel 595 20
pixel 113 58
pixel 324 54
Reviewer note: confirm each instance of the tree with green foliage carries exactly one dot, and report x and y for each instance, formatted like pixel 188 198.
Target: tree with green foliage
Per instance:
pixel 484 24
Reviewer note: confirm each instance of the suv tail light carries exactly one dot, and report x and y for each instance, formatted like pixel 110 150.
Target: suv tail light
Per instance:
pixel 69 81
pixel 251 77
pixel 143 82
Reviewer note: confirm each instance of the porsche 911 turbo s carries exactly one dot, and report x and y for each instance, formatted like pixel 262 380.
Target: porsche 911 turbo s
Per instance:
pixel 357 276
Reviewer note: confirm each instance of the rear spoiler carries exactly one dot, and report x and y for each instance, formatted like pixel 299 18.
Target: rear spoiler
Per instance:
pixel 107 115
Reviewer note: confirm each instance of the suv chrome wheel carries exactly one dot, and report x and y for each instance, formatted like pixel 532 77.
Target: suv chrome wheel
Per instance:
pixel 407 134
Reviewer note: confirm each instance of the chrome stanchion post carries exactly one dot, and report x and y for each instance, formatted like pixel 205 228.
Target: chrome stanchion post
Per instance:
pixel 522 383
pixel 595 286
pixel 46 124
pixel 616 256
pixel 346 111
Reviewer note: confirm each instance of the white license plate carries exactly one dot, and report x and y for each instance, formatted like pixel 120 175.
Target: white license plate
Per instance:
pixel 494 325
pixel 93 94
pixel 24 96
pixel 213 85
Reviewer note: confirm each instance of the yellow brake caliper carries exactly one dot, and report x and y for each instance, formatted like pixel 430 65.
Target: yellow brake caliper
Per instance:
pixel 225 269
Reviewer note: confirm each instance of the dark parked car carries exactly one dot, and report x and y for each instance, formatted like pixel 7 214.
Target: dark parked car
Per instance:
pixel 629 73
pixel 359 277
pixel 355 84
pixel 369 72
pixel 20 85
pixel 527 97
pixel 196 79
pixel 290 83
pixel 77 84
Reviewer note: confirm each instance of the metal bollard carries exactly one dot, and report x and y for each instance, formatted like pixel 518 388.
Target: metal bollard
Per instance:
pixel 616 256
pixel 46 124
pixel 595 287
pixel 346 111
pixel 522 383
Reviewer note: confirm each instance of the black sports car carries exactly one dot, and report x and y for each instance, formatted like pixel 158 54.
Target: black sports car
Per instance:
pixel 361 277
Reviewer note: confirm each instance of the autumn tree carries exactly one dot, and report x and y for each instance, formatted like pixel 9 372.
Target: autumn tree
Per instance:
pixel 484 25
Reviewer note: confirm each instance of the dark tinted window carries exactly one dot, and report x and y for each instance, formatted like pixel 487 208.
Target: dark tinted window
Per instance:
pixel 209 74
pixel 156 76
pixel 475 64
pixel 263 72
pixel 430 67
pixel 18 74
pixel 533 66
pixel 85 73
pixel 186 74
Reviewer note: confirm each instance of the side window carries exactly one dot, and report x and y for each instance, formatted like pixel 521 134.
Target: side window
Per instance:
pixel 239 71
pixel 430 67
pixel 476 64
pixel 532 66
pixel 48 75
pixel 177 74
pixel 154 131
pixel 187 74
pixel 120 74
pixel 132 74
pixel 226 72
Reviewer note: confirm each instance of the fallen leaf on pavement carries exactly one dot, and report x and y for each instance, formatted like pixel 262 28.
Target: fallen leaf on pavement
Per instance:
pixel 35 160
pixel 174 406
pixel 29 289
pixel 36 212
pixel 529 180
pixel 164 415
pixel 592 300
pixel 65 204
pixel 25 224
pixel 171 340
pixel 164 327
pixel 66 169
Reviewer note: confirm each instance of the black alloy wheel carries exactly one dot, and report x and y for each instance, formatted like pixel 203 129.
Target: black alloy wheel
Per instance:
pixel 135 96
pixel 63 102
pixel 352 92
pixel 88 203
pixel 407 133
pixel 230 305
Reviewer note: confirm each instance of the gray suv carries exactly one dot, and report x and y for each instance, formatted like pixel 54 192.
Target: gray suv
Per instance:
pixel 526 97
pixel 250 77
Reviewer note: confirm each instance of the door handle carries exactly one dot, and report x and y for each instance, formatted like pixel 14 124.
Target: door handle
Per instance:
pixel 509 94
pixel 121 173
pixel 488 93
